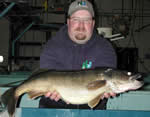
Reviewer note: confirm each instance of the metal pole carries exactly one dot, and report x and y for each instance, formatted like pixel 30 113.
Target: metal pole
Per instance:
pixel 7 9
pixel 13 43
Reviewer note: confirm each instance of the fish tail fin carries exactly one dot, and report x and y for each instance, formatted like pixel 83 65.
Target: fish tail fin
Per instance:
pixel 8 101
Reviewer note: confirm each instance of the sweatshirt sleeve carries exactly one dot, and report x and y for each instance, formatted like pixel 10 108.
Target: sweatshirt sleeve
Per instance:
pixel 48 57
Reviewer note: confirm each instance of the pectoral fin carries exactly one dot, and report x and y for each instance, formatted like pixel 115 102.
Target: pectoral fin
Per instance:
pixel 95 101
pixel 35 94
pixel 96 84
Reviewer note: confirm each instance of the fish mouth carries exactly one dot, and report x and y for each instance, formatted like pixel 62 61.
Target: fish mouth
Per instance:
pixel 135 77
pixel 138 83
pixel 138 78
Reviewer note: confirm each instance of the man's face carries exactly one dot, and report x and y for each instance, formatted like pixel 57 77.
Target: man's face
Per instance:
pixel 80 26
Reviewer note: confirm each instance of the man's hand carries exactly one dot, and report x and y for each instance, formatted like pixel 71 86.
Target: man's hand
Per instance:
pixel 53 95
pixel 108 95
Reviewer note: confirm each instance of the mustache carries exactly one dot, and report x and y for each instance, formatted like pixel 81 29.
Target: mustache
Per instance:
pixel 80 29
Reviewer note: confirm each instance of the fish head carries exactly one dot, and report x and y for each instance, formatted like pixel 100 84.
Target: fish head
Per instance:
pixel 124 81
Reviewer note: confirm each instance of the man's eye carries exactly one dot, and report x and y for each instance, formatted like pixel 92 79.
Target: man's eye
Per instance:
pixel 76 20
pixel 87 20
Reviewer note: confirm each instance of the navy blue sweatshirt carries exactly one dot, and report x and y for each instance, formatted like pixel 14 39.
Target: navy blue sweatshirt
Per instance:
pixel 61 53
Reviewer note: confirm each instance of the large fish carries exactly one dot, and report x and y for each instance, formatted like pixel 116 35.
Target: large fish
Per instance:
pixel 75 87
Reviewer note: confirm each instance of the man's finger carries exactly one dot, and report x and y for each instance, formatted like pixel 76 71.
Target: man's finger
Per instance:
pixel 48 94
pixel 113 94
pixel 57 97
pixel 54 95
pixel 106 95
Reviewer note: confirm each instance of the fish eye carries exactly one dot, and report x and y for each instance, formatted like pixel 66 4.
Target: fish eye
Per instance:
pixel 129 73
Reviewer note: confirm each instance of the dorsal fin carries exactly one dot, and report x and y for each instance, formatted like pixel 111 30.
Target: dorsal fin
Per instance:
pixel 108 72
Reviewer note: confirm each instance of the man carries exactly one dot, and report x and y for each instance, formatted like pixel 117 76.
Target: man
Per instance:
pixel 76 46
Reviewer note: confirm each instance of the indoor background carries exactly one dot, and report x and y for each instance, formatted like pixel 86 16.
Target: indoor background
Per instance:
pixel 26 25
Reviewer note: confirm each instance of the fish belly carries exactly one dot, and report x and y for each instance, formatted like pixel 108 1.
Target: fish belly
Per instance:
pixel 78 96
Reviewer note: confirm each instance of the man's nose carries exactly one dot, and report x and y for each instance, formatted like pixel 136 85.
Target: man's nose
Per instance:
pixel 81 25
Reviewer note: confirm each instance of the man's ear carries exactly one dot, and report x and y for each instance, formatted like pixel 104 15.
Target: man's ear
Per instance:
pixel 67 21
pixel 93 23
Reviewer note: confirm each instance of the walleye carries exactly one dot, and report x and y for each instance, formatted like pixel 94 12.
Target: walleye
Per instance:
pixel 75 87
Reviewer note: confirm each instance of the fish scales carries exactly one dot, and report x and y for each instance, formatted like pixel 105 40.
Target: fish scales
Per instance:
pixel 67 84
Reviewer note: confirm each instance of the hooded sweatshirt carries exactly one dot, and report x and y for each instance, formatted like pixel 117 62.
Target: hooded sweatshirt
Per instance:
pixel 61 53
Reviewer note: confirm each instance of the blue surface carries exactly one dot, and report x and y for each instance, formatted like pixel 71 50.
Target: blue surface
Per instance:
pixel 133 100
pixel 31 112
pixel 13 77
